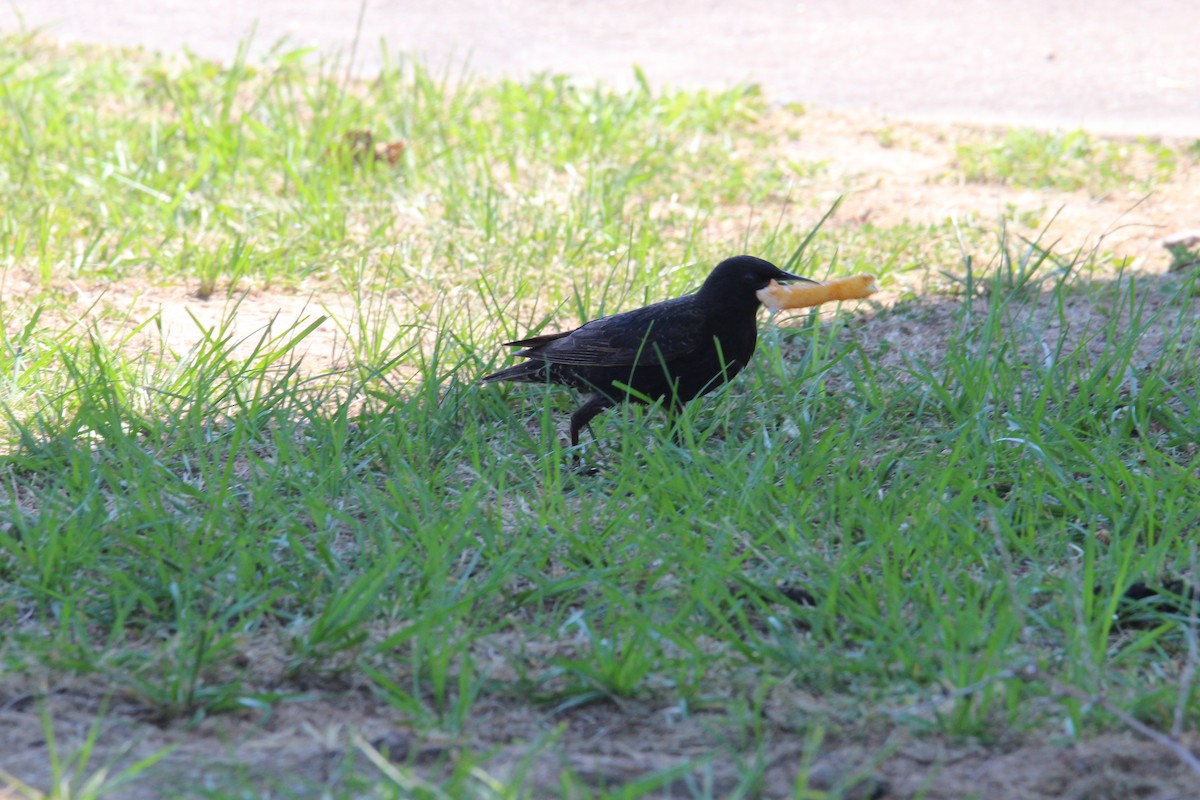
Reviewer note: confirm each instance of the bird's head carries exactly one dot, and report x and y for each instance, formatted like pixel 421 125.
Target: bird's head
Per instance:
pixel 735 280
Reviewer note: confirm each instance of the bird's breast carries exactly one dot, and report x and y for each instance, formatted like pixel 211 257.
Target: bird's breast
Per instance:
pixel 737 343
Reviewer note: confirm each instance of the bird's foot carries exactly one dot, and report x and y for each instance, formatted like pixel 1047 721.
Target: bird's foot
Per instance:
pixel 578 465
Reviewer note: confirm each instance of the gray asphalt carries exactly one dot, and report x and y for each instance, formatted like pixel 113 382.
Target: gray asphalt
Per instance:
pixel 1113 66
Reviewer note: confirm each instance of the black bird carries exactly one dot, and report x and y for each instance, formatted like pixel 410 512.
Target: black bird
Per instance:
pixel 672 351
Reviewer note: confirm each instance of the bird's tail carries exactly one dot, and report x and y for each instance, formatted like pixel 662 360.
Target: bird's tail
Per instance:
pixel 525 372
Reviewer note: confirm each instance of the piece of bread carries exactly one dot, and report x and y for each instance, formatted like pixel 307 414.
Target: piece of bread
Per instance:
pixel 778 297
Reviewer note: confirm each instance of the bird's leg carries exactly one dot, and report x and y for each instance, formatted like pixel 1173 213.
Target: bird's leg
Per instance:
pixel 584 414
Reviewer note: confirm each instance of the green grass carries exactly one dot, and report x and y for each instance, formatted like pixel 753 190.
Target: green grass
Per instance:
pixel 963 514
pixel 1066 160
pixel 195 171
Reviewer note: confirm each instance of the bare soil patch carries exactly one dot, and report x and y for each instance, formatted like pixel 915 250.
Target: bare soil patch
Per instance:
pixel 304 745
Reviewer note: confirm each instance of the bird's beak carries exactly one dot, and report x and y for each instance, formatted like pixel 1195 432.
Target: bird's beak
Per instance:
pixel 785 277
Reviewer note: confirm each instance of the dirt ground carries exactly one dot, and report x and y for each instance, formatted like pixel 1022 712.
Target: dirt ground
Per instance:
pixel 304 744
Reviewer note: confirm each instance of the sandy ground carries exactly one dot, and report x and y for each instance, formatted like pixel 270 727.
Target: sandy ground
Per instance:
pixel 1107 65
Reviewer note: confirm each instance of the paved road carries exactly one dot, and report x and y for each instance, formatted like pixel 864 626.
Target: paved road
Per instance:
pixel 1123 66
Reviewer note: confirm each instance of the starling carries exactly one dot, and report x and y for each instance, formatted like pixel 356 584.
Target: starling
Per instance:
pixel 673 351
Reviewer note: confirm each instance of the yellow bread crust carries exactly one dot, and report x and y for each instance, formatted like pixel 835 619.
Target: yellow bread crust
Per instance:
pixel 778 297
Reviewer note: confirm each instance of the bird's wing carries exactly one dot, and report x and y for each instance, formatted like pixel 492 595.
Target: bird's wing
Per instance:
pixel 534 341
pixel 654 334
